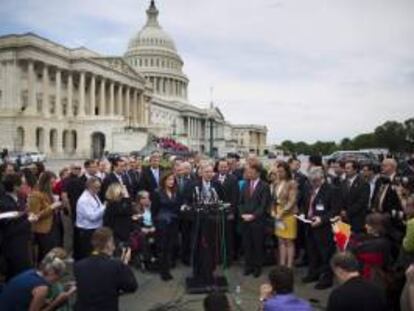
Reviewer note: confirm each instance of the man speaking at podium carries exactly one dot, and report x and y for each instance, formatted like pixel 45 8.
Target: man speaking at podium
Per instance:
pixel 205 250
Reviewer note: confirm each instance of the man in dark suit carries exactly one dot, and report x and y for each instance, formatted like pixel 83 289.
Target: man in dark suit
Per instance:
pixel 355 196
pixel 387 202
pixel 185 183
pixel 231 194
pixel 371 176
pixel 204 246
pixel 228 182
pixel 151 175
pixel 100 280
pixel 321 204
pixel 15 232
pixel 116 176
pixel 254 204
pixel 133 176
pixel 233 159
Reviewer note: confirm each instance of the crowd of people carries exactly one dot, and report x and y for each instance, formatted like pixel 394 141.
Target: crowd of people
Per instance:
pixel 108 216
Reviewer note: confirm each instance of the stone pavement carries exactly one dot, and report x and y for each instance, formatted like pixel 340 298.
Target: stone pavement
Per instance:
pixel 153 293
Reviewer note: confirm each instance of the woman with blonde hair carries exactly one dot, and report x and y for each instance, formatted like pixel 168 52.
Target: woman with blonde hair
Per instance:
pixel 118 213
pixel 284 191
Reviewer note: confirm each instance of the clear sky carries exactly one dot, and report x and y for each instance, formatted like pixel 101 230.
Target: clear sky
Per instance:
pixel 308 69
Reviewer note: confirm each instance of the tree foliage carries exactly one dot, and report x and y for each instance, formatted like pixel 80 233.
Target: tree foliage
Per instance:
pixel 392 135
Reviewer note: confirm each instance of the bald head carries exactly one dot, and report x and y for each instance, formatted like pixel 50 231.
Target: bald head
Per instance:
pixel 389 167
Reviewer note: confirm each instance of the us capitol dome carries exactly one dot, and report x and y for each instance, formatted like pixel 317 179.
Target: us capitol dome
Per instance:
pixel 152 53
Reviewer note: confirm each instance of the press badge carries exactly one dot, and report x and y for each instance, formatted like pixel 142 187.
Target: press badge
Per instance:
pixel 320 207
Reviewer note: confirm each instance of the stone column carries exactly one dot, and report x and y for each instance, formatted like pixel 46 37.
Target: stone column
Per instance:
pixel 102 103
pixel 92 98
pixel 58 101
pixel 167 86
pixel 111 99
pixel 81 112
pixel 145 111
pixel 70 95
pixel 31 105
pixel 158 85
pixel 45 99
pixel 134 107
pixel 120 101
pixel 127 112
pixel 59 142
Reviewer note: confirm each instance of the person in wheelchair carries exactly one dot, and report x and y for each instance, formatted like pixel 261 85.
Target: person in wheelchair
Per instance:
pixel 143 237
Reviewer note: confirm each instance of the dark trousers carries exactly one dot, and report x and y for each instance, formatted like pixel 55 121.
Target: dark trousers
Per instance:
pixel 300 242
pixel 252 240
pixel 44 242
pixel 167 237
pixel 17 255
pixel 321 247
pixel 83 246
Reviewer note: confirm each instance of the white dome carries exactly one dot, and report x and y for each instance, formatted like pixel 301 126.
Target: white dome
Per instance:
pixel 152 52
pixel 152 36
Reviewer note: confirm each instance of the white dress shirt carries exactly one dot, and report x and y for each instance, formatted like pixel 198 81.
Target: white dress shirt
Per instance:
pixel 89 211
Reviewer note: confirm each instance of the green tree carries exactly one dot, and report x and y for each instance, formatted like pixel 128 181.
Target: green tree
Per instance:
pixel 391 135
pixel 302 148
pixel 289 146
pixel 409 128
pixel 346 144
pixel 364 141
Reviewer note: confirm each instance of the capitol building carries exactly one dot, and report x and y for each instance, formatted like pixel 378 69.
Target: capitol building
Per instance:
pixel 77 103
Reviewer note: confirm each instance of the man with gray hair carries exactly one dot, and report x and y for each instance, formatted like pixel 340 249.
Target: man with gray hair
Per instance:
pixel 321 205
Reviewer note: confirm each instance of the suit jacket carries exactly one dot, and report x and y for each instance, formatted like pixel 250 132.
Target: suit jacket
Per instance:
pixel 164 209
pixel 355 202
pixel 257 203
pixel 325 205
pixel 390 200
pixel 74 187
pixel 100 281
pixel 185 189
pixel 231 192
pixel 110 179
pixel 117 216
pixel 15 228
pixel 40 204
pixel 372 199
pixel 132 179
pixel 148 181
pixel 303 188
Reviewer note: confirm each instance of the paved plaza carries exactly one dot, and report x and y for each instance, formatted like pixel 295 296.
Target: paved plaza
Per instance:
pixel 153 292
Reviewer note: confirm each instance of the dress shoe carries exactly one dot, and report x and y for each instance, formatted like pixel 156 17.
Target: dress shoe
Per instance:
pixel 309 279
pixel 247 271
pixel 257 272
